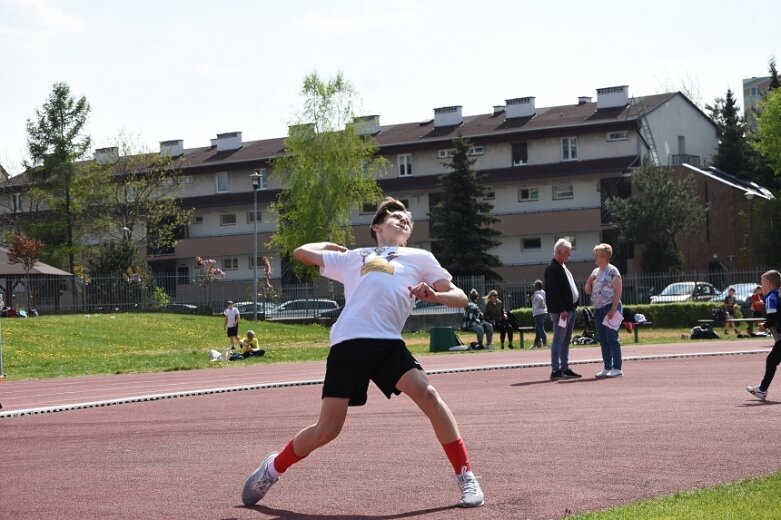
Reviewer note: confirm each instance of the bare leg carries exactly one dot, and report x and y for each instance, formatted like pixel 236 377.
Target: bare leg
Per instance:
pixel 416 385
pixel 333 413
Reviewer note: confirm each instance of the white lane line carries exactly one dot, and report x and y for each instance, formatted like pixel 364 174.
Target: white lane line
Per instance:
pixel 287 384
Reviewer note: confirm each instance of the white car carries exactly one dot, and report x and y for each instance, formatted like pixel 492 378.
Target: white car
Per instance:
pixel 304 308
pixel 686 292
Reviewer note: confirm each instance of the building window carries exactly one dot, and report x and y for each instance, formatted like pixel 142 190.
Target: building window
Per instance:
pixel 520 154
pixel 623 135
pixel 446 154
pixel 563 191
pixel 569 149
pixel 222 182
pixel 405 164
pixel 17 202
pixel 230 263
pixel 228 219
pixel 198 220
pixel 531 244
pixel 754 91
pixel 528 194
pixel 477 150
pixel 182 275
pixel 259 260
pixel 489 195
pixel 251 216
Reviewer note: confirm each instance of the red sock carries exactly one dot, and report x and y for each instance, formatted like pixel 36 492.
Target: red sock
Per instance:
pixel 457 455
pixel 286 458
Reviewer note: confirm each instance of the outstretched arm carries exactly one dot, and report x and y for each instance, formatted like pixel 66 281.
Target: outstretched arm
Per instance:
pixel 312 254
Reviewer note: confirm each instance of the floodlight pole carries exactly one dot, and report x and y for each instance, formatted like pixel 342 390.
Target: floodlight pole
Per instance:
pixel 257 177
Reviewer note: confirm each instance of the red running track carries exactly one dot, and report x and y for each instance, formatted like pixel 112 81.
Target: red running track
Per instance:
pixel 542 449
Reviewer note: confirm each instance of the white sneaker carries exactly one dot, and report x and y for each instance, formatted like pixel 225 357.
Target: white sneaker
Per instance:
pixel 756 392
pixel 259 482
pixel 602 373
pixel 471 494
pixel 614 373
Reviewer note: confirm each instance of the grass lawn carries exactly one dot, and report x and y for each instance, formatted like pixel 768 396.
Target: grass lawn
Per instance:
pixel 78 344
pixel 86 344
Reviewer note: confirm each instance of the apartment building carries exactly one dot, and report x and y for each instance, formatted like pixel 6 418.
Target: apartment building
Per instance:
pixel 551 171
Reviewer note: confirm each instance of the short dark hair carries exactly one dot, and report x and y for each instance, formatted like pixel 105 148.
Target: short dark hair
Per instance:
pixel 386 207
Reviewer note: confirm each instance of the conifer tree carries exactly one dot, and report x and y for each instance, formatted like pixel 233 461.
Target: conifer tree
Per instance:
pixel 461 220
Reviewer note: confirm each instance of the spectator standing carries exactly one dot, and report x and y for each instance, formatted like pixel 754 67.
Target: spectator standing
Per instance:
pixel 539 312
pixel 771 292
pixel 605 287
pixel 496 315
pixel 757 305
pixel 561 298
pixel 729 309
pixel 475 322
pixel 232 317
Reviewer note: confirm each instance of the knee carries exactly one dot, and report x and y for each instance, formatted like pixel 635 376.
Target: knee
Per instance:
pixel 325 433
pixel 428 397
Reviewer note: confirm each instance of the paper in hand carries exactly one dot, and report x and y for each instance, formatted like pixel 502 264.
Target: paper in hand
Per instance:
pixel 562 323
pixel 614 322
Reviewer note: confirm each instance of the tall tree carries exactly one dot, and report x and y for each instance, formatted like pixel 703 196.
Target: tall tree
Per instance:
pixel 461 220
pixel 774 83
pixel 55 142
pixel 769 130
pixel 142 209
pixel 734 154
pixel 328 170
pixel 665 209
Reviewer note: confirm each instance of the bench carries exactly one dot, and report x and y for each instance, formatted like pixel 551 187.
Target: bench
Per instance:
pixel 749 321
pixel 636 325
pixel 521 331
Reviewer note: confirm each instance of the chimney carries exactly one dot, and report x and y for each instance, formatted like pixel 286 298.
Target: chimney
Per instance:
pixel 582 100
pixel 610 97
pixel 107 155
pixel 447 116
pixel 520 107
pixel 228 141
pixel 498 109
pixel 367 125
pixel 174 148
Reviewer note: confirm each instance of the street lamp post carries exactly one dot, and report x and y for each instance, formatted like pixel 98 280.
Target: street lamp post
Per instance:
pixel 750 198
pixel 257 178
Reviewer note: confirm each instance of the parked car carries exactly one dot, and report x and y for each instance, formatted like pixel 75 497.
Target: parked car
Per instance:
pixel 686 292
pixel 182 308
pixel 422 307
pixel 743 293
pixel 303 308
pixel 246 309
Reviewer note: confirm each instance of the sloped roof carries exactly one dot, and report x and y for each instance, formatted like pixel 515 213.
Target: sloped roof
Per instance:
pixel 7 269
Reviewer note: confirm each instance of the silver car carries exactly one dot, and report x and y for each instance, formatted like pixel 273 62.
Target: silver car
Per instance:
pixel 686 292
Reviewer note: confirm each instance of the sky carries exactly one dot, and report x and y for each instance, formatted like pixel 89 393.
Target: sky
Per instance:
pixel 157 70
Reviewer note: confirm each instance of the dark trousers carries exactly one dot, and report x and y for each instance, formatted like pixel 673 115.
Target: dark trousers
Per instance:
pixel 504 328
pixel 771 363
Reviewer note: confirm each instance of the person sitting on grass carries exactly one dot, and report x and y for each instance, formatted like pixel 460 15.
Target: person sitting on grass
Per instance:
pixel 249 344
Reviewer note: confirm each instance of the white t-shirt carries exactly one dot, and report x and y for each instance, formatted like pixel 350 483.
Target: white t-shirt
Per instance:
pixel 376 288
pixel 233 316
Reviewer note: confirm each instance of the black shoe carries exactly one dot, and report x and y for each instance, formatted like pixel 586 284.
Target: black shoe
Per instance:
pixel 569 374
pixel 555 376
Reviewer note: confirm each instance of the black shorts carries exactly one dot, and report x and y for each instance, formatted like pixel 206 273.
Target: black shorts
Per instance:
pixel 353 363
pixel 233 331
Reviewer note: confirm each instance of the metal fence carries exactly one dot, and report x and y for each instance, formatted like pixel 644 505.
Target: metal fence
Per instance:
pixel 54 294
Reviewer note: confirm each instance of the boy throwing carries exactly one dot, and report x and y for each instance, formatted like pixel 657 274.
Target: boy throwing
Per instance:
pixel 380 285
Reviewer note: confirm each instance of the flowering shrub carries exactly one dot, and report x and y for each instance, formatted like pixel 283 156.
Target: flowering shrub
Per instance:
pixel 134 275
pixel 267 274
pixel 209 270
pixel 82 276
